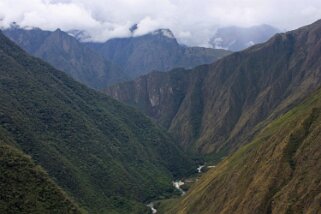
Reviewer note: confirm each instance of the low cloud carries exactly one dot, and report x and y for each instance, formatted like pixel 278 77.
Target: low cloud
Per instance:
pixel 193 22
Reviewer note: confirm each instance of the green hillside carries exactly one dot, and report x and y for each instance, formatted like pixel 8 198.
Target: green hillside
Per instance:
pixel 26 188
pixel 109 157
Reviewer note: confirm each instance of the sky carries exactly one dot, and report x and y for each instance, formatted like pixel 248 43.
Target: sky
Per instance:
pixel 193 22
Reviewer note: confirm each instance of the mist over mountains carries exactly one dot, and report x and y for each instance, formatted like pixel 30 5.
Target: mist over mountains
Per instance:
pixel 237 38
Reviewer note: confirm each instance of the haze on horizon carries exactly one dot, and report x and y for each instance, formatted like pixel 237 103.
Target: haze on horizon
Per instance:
pixel 192 22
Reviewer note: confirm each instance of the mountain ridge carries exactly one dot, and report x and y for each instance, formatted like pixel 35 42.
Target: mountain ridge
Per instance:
pixel 276 173
pixel 99 65
pixel 155 51
pixel 66 53
pixel 233 94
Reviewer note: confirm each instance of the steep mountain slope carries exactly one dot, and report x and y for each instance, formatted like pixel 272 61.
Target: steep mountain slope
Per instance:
pixel 215 108
pixel 26 188
pixel 278 172
pixel 109 157
pixel 66 53
pixel 158 94
pixel 158 50
pixel 237 38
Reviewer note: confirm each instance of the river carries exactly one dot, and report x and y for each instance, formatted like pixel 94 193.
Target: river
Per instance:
pixel 177 184
pixel 151 206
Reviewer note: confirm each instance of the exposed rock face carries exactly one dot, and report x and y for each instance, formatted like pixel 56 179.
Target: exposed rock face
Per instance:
pixel 169 89
pixel 214 108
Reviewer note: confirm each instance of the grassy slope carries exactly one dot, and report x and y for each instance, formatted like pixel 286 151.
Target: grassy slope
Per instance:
pixel 279 172
pixel 26 188
pixel 105 154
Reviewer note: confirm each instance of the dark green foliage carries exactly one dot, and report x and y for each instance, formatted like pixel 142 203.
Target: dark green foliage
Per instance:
pixel 26 188
pixel 106 155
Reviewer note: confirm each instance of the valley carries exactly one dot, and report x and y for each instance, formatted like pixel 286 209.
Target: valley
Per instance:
pixel 163 107
pixel 182 186
pixel 84 139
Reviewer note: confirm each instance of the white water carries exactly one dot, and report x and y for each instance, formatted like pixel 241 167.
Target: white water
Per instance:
pixel 177 185
pixel 199 169
pixel 151 206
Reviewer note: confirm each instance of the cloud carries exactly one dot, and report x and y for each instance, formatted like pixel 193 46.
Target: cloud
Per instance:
pixel 193 22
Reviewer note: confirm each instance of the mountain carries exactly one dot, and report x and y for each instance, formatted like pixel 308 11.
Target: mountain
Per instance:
pixel 238 38
pixel 99 65
pixel 107 156
pixel 24 186
pixel 66 53
pixel 158 50
pixel 213 109
pixel 278 172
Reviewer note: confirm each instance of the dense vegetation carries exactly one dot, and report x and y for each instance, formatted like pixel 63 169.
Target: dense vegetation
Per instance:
pixel 278 172
pixel 109 157
pixel 26 188
pixel 214 109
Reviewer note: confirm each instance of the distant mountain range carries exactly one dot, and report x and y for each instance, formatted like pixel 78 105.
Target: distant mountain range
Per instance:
pixel 237 38
pixel 66 53
pixel 158 50
pixel 98 65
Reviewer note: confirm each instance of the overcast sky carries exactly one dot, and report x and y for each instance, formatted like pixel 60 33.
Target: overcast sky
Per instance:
pixel 192 21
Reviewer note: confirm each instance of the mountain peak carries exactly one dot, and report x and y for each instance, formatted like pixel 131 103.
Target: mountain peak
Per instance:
pixel 164 32
pixel 133 28
pixel 59 32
